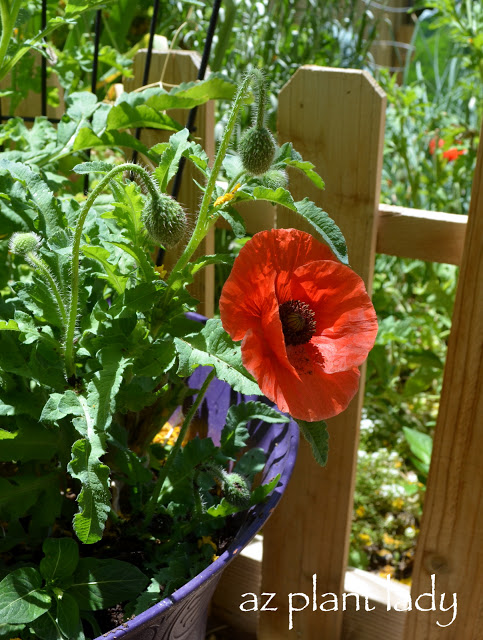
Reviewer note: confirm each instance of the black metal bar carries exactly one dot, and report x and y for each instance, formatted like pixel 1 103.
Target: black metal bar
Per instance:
pixel 95 66
pixel 95 62
pixel 190 123
pixel 43 63
pixel 147 62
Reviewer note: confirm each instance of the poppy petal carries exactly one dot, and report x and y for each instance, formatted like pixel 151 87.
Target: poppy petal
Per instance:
pixel 346 323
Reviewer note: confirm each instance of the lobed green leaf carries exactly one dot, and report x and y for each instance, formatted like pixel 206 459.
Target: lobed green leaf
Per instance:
pixel 213 346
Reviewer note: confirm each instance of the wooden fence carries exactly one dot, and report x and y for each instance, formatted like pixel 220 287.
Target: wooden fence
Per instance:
pixel 335 119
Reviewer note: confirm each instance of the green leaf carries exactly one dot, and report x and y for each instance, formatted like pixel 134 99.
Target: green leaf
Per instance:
pixel 278 196
pixel 87 139
pixel 168 166
pixel 213 346
pixel 93 167
pixel 60 405
pixel 235 433
pixel 204 261
pixel 308 169
pixel 125 116
pixel 23 493
pixel 191 94
pixel 75 8
pixel 21 597
pixel 260 493
pixel 325 226
pixel 99 584
pixel 68 617
pixel 112 274
pixel 317 436
pixel 235 220
pixel 223 509
pixel 191 456
pixel 31 441
pixel 40 194
pixel 85 465
pixel 9 325
pixel 138 298
pixel 421 444
pixel 61 558
pixel 95 498
pixel 46 628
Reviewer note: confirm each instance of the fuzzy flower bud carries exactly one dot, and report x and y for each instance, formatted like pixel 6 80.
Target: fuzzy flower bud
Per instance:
pixel 24 243
pixel 165 220
pixel 257 150
pixel 236 490
pixel 275 178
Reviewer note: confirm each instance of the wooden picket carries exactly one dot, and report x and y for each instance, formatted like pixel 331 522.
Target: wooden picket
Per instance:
pixel 334 118
pixel 170 68
pixel 450 544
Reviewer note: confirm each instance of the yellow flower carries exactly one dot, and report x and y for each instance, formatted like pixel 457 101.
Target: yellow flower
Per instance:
pixel 398 503
pixel 360 511
pixel 366 539
pixel 387 571
pixel 389 541
pixel 161 271
pixel 227 196
pixel 206 540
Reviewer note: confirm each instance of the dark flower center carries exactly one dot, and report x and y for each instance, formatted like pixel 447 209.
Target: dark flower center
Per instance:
pixel 298 321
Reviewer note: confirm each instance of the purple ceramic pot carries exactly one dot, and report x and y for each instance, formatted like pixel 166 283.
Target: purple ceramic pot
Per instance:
pixel 182 616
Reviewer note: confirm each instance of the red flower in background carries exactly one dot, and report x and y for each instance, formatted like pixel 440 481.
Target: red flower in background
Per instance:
pixel 449 154
pixel 305 320
pixel 453 153
pixel 432 144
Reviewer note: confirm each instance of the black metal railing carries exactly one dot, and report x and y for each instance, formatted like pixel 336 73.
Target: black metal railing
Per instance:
pixel 190 124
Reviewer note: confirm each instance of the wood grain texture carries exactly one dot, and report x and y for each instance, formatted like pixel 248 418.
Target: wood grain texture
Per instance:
pixel 422 235
pixel 450 544
pixel 335 119
pixel 31 106
pixel 175 67
pixel 373 620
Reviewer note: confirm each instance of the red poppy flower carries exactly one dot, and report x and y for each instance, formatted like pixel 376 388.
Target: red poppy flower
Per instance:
pixel 305 320
pixel 432 144
pixel 453 153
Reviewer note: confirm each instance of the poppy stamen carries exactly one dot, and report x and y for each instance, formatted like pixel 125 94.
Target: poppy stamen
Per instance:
pixel 298 322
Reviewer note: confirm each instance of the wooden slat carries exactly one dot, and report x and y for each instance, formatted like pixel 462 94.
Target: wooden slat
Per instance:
pixel 450 544
pixel 424 235
pixel 176 67
pixel 335 119
pixel 408 233
pixel 373 621
pixel 31 106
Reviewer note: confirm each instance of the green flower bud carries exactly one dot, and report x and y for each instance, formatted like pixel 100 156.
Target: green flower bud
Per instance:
pixel 165 220
pixel 23 243
pixel 275 178
pixel 236 490
pixel 257 150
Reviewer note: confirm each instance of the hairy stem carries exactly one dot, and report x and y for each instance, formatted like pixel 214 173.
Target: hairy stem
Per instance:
pixel 74 293
pixel 204 221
